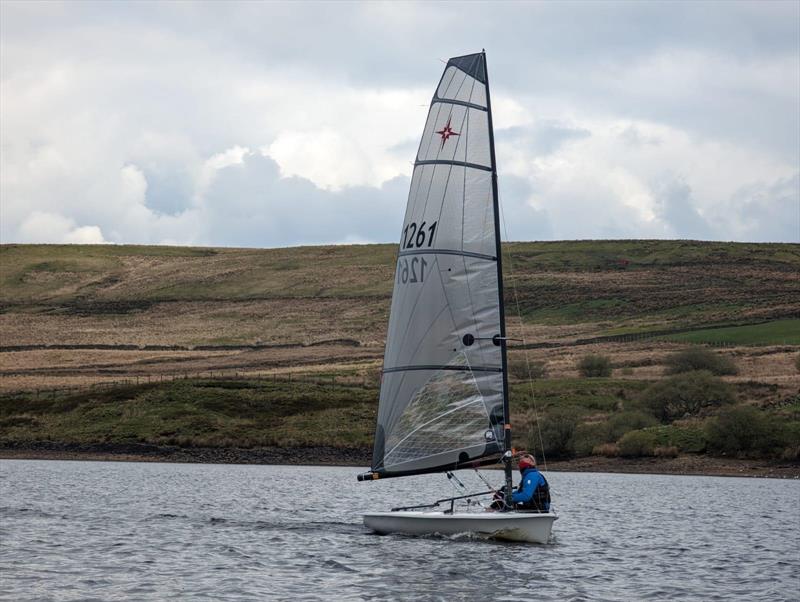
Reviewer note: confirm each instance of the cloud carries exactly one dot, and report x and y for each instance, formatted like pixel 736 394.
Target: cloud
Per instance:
pixel 275 123
pixel 675 207
pixel 252 204
pixel 763 212
pixel 40 226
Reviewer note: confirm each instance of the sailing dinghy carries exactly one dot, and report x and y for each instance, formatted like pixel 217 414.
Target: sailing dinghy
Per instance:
pixel 444 386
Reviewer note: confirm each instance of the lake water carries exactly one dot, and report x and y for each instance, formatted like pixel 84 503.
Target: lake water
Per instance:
pixel 140 531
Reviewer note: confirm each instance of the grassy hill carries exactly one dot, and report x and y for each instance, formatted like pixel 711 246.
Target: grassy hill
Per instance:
pixel 193 346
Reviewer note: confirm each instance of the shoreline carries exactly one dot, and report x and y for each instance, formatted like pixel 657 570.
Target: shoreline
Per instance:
pixel 687 465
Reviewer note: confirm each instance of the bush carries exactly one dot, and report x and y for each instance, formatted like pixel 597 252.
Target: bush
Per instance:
pixel 745 431
pixel 609 450
pixel 637 443
pixel 592 366
pixel 700 358
pixel 797 362
pixel 588 435
pixel 686 438
pixel 668 451
pixel 686 394
pixel 524 370
pixel 621 423
pixel 558 433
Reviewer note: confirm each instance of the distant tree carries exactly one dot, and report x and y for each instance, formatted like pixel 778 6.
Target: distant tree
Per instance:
pixel 687 393
pixel 745 431
pixel 700 358
pixel 594 365
pixel 558 433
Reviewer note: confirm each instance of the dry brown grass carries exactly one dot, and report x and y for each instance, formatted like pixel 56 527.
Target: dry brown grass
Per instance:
pixel 306 298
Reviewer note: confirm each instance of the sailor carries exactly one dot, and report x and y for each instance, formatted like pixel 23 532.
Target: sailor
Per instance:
pixel 533 492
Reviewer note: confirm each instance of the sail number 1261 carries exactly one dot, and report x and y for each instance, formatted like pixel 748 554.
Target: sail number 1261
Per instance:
pixel 416 236
pixel 411 270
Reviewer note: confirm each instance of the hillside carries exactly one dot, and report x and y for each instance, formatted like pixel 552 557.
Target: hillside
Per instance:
pixel 127 316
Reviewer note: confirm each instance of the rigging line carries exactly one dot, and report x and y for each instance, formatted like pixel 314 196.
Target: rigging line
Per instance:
pixel 522 334
pixel 487 483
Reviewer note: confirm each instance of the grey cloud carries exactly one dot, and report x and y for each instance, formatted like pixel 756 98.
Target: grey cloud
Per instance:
pixel 769 212
pixel 168 191
pixel 633 137
pixel 521 220
pixel 543 138
pixel 118 72
pixel 677 210
pixel 249 204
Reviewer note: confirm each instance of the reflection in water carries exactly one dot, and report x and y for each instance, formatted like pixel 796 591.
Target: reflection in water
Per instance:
pixel 106 530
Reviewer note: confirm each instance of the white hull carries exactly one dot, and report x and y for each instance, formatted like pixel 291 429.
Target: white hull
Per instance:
pixel 509 526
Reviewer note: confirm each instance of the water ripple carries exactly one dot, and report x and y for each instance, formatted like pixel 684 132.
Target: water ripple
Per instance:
pixel 116 531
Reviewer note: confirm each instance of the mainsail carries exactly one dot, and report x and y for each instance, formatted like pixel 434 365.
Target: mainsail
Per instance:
pixel 443 399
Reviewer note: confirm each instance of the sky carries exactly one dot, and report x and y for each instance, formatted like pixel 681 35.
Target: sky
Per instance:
pixel 268 124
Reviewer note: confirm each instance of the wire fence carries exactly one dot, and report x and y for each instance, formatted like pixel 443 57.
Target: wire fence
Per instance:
pixel 339 381
pixel 363 379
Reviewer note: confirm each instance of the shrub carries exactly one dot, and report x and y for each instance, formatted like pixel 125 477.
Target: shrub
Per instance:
pixel 687 393
pixel 637 443
pixel 700 358
pixel 558 433
pixel 609 450
pixel 745 431
pixel 524 370
pixel 797 362
pixel 665 451
pixel 686 438
pixel 588 436
pixel 592 366
pixel 621 423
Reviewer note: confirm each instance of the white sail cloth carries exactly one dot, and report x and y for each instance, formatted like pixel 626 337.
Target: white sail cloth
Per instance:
pixel 441 400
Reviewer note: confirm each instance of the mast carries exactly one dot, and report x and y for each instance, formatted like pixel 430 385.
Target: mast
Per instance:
pixel 502 339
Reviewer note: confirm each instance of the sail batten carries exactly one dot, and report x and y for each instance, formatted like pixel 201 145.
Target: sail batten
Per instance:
pixel 444 367
pixel 448 252
pixel 452 101
pixel 451 162
pixel 443 382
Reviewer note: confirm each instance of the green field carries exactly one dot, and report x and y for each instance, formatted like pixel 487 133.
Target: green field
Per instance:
pixel 777 332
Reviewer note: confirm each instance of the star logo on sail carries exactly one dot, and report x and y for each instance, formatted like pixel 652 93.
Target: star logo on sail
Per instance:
pixel 446 132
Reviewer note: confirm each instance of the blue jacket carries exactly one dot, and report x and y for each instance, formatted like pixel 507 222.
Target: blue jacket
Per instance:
pixel 531 480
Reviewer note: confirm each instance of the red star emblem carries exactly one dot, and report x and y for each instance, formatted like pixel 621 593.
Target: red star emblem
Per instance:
pixel 446 132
